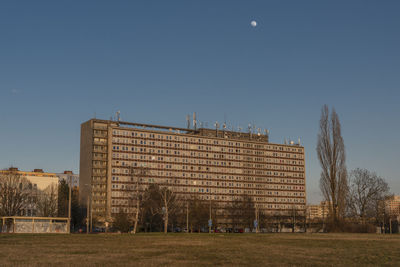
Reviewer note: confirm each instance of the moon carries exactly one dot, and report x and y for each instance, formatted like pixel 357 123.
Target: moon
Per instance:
pixel 253 23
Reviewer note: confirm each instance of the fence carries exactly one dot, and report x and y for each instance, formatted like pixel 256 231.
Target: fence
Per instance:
pixel 17 224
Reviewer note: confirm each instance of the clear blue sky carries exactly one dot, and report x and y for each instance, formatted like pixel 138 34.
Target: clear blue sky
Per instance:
pixel 156 61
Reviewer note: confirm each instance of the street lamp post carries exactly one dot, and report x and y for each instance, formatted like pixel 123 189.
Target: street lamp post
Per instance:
pixel 69 204
pixel 257 220
pixel 89 206
pixel 87 216
pixel 187 216
pixel 210 220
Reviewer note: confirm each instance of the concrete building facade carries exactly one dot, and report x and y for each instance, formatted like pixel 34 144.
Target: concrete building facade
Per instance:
pixel 392 206
pixel 214 165
pixel 39 182
pixel 320 211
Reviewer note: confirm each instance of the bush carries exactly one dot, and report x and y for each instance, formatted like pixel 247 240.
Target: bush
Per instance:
pixel 350 227
pixel 122 222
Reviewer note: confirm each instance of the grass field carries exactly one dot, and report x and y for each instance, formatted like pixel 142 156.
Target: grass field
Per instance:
pixel 200 249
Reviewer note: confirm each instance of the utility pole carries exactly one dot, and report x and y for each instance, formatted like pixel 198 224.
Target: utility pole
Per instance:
pixel 323 218
pixel 187 216
pixel 69 204
pixel 91 212
pixel 256 224
pixel 88 206
pixel 210 221
pixel 87 216
pixel 294 219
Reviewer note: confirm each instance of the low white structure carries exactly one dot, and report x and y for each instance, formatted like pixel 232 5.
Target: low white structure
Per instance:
pixel 20 225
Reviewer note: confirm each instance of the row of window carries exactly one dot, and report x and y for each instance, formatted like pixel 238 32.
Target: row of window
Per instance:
pixel 184 150
pixel 224 165
pixel 288 208
pixel 126 189
pixel 216 173
pixel 201 140
pixel 230 179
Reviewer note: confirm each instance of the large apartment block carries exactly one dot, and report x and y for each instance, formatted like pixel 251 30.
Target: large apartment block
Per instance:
pixel 212 164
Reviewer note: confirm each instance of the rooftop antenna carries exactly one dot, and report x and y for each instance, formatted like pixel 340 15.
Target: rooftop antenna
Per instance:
pixel 216 128
pixel 223 130
pixel 258 131
pixel 299 142
pixel 188 121
pixel 194 121
pixel 117 114
pixel 285 141
pixel 225 118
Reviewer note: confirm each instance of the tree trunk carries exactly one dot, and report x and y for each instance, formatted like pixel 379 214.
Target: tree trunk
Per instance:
pixel 166 221
pixel 136 216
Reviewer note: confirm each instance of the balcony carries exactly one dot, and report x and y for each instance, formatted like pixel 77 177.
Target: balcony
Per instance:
pixel 102 143
pixel 100 134
pixel 100 149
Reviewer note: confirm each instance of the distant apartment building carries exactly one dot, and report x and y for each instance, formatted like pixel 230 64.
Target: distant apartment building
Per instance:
pixel 39 181
pixel 318 212
pixel 212 164
pixel 392 206
pixel 69 177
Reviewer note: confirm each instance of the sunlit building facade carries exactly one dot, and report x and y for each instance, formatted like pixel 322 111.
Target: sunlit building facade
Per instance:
pixel 319 212
pixel 214 165
pixel 392 206
pixel 38 182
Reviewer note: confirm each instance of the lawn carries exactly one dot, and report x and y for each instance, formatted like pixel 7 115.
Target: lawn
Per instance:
pixel 200 249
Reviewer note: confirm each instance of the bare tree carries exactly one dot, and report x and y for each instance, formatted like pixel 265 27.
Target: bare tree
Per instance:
pixel 161 201
pixel 46 205
pixel 279 220
pixel 136 196
pixel 198 213
pixel 331 155
pixel 15 191
pixel 248 211
pixel 150 216
pixel 168 202
pixel 366 191
pixel 122 222
pixel 234 212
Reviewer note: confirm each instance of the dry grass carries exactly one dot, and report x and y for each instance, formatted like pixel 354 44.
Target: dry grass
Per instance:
pixel 201 249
